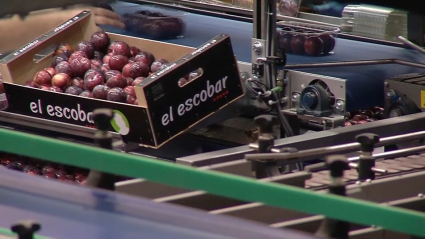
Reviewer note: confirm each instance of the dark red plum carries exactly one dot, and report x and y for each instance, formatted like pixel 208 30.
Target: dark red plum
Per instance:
pixel 142 58
pixel 42 77
pixel 129 90
pixel 100 92
pixel 45 87
pixel 110 73
pixel 56 89
pixel 145 57
pixel 14 166
pixel 328 42
pixel 156 65
pixel 116 81
pixel 285 41
pixel 182 82
pixel 95 63
pixel 6 161
pixel 100 41
pixel 80 178
pixel 117 95
pixel 117 62
pixel 70 177
pixel 86 47
pixel 80 66
pixel 64 67
pixel 63 178
pixel 59 58
pixel 297 44
pixel 163 61
pixel 135 69
pixel 51 70
pixel 63 48
pixel 60 173
pixel 73 90
pixel 93 78
pixel 137 81
pixel 48 169
pixel 31 169
pixel 86 94
pixel 61 80
pixel 134 51
pixel 50 175
pixel 131 59
pixel 193 75
pixel 77 55
pixel 313 46
pixel 120 48
pixel 151 57
pixel 31 83
pixel 105 67
pixel 78 81
pixel 131 99
pixel 129 81
pixel 106 58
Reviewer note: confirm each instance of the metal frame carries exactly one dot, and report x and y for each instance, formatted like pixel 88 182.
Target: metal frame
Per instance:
pixel 236 187
pixel 384 128
pixel 235 13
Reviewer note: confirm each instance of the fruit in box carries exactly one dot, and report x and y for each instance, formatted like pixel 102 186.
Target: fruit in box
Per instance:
pixel 86 47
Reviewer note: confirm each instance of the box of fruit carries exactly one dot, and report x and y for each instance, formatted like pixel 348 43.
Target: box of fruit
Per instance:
pixel 157 90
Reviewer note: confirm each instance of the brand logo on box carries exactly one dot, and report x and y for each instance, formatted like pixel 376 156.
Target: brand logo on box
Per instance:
pixel 120 123
pixel 215 91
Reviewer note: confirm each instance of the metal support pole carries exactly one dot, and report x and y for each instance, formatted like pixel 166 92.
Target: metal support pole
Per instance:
pixel 103 139
pixel 332 228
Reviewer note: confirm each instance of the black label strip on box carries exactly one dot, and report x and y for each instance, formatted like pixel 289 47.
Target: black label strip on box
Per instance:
pixel 44 37
pixel 130 121
pixel 174 109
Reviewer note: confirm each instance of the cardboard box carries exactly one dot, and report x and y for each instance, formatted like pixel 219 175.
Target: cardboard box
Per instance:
pixel 165 109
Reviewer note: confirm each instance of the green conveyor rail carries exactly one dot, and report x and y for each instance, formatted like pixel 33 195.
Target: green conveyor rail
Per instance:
pixel 233 186
pixel 9 233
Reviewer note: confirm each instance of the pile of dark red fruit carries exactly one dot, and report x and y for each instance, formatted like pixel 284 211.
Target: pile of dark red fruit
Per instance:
pixel 364 116
pixel 305 42
pixel 154 24
pixel 46 170
pixel 98 69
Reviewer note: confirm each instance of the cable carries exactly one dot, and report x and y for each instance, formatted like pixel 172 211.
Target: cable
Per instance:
pixel 283 121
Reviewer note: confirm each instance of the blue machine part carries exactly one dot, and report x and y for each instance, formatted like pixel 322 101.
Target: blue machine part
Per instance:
pixel 69 211
pixel 365 83
pixel 309 100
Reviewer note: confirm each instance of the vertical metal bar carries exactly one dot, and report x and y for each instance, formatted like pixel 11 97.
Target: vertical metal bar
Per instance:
pixel 271 49
pixel 256 19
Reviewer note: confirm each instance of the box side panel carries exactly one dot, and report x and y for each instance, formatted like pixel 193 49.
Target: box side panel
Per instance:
pixel 130 121
pixel 174 109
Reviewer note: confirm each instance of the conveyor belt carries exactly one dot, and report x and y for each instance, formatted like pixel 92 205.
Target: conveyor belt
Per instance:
pixel 202 28
pixel 69 211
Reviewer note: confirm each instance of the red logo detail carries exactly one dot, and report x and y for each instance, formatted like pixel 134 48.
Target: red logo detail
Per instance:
pixel 219 96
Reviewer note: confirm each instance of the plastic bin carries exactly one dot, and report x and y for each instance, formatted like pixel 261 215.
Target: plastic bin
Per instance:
pixel 306 39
